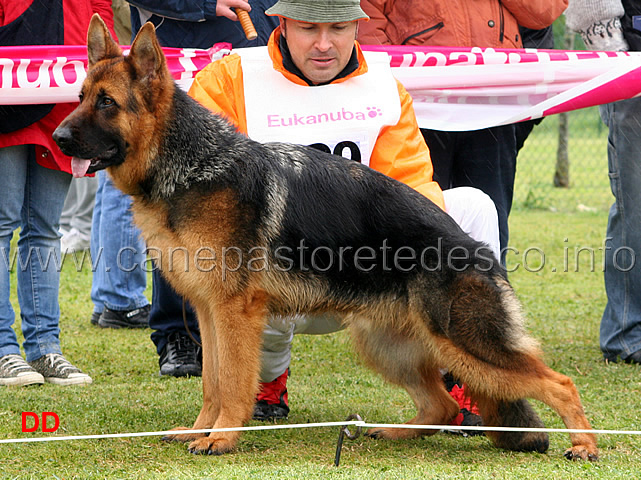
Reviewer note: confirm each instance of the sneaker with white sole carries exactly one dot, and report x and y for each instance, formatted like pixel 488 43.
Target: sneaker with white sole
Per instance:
pixel 15 371
pixel 58 370
pixel 74 241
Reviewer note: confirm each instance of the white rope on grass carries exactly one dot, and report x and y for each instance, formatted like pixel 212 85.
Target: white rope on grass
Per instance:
pixel 357 423
pixel 178 432
pixel 502 429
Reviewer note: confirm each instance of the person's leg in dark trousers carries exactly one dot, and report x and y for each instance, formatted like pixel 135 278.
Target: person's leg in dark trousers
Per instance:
pixel 442 152
pixel 486 159
pixel 177 345
pixel 522 130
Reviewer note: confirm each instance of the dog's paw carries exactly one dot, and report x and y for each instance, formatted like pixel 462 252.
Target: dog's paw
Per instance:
pixel 375 433
pixel 581 452
pixel 384 433
pixel 398 433
pixel 183 438
pixel 211 446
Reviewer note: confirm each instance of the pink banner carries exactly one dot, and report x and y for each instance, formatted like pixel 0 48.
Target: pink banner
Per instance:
pixel 467 89
pixel 54 73
pixel 453 88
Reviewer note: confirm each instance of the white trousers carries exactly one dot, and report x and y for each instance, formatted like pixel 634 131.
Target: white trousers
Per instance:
pixel 472 209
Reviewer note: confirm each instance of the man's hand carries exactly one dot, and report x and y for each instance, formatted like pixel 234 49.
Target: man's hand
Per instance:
pixel 225 8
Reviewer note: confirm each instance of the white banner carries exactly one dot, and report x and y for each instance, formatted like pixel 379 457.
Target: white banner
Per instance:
pixel 454 89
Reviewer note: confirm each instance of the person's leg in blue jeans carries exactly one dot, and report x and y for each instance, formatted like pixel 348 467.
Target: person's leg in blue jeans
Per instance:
pixel 32 200
pixel 118 252
pixel 621 322
pixel 13 175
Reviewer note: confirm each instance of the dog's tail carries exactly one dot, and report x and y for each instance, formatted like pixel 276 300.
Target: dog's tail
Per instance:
pixel 485 320
pixel 487 330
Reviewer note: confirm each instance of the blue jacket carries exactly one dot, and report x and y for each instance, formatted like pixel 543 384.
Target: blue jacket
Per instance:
pixel 194 24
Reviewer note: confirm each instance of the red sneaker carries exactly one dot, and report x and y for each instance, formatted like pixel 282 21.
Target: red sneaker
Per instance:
pixel 271 401
pixel 469 415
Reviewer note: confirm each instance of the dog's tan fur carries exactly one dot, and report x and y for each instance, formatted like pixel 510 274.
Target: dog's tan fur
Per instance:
pixel 395 335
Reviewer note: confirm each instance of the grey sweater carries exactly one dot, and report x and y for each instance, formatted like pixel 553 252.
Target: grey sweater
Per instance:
pixel 598 22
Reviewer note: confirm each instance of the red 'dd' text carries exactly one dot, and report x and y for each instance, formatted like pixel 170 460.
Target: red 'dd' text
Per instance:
pixel 31 421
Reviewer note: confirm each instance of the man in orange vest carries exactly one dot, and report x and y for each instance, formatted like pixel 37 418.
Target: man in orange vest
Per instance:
pixel 313 85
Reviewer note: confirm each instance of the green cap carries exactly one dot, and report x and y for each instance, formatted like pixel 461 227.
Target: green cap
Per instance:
pixel 319 11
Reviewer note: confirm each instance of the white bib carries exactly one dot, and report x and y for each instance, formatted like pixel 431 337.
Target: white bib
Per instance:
pixel 343 118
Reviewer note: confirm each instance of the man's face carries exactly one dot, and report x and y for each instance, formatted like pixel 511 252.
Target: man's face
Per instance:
pixel 319 50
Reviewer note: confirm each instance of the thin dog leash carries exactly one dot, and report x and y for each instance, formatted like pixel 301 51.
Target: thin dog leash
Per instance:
pixel 193 339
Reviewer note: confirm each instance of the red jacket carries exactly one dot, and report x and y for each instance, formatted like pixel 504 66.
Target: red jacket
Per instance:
pixel 77 14
pixel 455 23
pixel 400 151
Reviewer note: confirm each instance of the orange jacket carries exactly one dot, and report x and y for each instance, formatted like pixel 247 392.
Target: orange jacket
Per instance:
pixel 455 23
pixel 400 151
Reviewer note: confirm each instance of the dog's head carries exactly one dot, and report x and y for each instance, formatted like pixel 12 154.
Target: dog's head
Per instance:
pixel 119 101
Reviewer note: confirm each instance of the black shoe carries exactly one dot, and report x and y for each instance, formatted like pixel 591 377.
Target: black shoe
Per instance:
pixel 181 357
pixel 271 400
pixel 634 359
pixel 264 411
pixel 95 318
pixel 136 318
pixel 471 420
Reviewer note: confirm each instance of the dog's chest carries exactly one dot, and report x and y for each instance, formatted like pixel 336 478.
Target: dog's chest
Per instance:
pixel 188 254
pixel 152 221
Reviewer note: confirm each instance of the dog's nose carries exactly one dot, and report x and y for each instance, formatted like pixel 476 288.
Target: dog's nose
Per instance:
pixel 62 136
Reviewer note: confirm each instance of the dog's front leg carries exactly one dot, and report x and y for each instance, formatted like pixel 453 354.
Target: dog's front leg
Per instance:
pixel 239 324
pixel 211 398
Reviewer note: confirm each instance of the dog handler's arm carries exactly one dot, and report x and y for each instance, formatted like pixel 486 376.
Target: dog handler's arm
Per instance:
pixel 401 153
pixel 374 32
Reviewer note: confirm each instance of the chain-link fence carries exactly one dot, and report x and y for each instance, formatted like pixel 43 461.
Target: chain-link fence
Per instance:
pixel 563 164
pixel 553 174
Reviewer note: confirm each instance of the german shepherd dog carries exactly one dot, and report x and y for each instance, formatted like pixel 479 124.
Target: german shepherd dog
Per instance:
pixel 304 232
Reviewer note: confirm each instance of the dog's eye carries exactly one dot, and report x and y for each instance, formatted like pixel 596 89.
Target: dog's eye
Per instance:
pixel 105 102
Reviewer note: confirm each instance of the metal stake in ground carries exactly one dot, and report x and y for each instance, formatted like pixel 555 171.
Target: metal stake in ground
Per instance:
pixel 345 432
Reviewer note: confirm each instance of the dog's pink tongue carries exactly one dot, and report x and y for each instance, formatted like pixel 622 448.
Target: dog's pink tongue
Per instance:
pixel 79 167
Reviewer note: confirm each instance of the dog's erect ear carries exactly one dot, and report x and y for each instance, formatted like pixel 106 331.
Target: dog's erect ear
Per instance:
pixel 146 53
pixel 100 44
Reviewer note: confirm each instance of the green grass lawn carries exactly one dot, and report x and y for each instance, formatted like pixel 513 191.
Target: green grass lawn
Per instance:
pixel 327 384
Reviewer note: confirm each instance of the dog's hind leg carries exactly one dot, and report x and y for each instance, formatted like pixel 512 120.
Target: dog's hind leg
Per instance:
pixel 433 404
pixel 401 360
pixel 560 393
pixel 239 324
pixel 499 392
pixel 513 414
pixel 487 347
